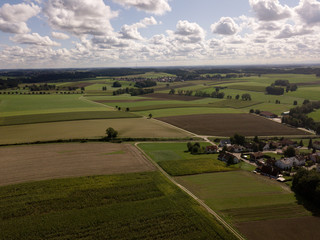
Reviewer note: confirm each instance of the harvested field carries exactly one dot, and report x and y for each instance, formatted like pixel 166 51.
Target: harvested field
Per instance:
pixel 229 124
pixel 39 162
pixel 284 229
pixel 172 97
pixel 125 101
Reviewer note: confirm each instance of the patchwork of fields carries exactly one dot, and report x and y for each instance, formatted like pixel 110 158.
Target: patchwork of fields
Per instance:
pixel 229 124
pixel 253 204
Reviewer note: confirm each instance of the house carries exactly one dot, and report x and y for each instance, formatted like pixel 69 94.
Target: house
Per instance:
pixel 314 157
pixel 316 145
pixel 235 148
pixel 227 157
pixel 269 171
pixel 255 156
pixel 285 113
pixel 211 149
pixel 249 146
pixel 225 142
pixel 268 114
pixel 287 163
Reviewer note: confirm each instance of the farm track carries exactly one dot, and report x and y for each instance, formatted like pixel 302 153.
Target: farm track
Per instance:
pixel 220 219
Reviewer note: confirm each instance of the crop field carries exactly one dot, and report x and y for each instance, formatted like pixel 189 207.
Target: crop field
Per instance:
pixel 11 105
pixel 252 88
pixel 49 161
pixel 131 206
pixel 68 116
pixel 131 127
pixel 248 200
pixel 176 161
pixel 229 124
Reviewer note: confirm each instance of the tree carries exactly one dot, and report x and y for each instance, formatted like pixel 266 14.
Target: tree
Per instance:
pixel 150 115
pixel 246 96
pixel 290 152
pixel 251 110
pixel 237 96
pixel 295 102
pixel 257 111
pixel 256 139
pixel 116 84
pixel 172 91
pixel 238 139
pixel 310 145
pixel 111 133
pixel 127 109
pixel 301 143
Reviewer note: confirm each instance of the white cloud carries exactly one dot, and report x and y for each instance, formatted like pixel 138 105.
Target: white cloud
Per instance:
pixel 109 42
pixel 309 11
pixel 34 39
pixel 59 35
pixel 290 31
pixel 158 7
pixel 189 32
pixel 131 31
pixel 225 26
pixel 13 18
pixel 80 16
pixel 270 10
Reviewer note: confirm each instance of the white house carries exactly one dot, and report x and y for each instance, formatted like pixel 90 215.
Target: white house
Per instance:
pixel 287 163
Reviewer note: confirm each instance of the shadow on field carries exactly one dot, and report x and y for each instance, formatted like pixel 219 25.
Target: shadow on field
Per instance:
pixel 308 205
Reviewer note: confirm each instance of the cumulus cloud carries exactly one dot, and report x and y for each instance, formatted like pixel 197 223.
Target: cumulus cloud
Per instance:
pixel 291 31
pixel 109 42
pixel 158 7
pixel 309 11
pixel 80 16
pixel 59 35
pixel 270 10
pixel 13 18
pixel 34 39
pixel 225 26
pixel 189 32
pixel 131 31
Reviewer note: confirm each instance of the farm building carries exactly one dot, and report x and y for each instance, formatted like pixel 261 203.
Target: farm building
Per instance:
pixel 227 157
pixel 288 142
pixel 211 149
pixel 255 156
pixel 268 114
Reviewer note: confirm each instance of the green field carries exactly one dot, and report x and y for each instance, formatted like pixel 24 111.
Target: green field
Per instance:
pixel 132 206
pixel 315 115
pixel 243 196
pixel 68 116
pixel 11 105
pixel 176 161
pixel 127 127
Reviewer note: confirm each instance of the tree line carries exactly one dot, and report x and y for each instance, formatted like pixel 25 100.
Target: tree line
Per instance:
pixel 133 91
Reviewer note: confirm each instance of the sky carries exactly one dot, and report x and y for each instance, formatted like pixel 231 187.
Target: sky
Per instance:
pixel 142 33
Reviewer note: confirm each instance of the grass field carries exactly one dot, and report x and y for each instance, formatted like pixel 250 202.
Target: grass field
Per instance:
pixel 133 127
pixel 132 206
pixel 176 161
pixel 187 111
pixel 315 115
pixel 247 200
pixel 68 116
pixel 229 124
pixel 50 161
pixel 11 105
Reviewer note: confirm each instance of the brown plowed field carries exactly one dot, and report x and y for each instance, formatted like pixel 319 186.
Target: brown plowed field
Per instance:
pixel 171 97
pixel 229 124
pixel 306 228
pixel 40 162
pixel 125 101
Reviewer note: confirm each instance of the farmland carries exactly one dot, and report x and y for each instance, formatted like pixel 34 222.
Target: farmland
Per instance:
pixel 248 200
pixel 131 206
pixel 176 161
pixel 229 124
pixel 39 162
pixel 130 127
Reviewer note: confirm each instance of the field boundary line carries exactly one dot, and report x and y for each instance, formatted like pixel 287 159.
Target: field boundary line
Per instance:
pixel 82 98
pixel 220 219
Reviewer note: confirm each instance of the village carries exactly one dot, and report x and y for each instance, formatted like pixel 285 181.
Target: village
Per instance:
pixel 276 159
